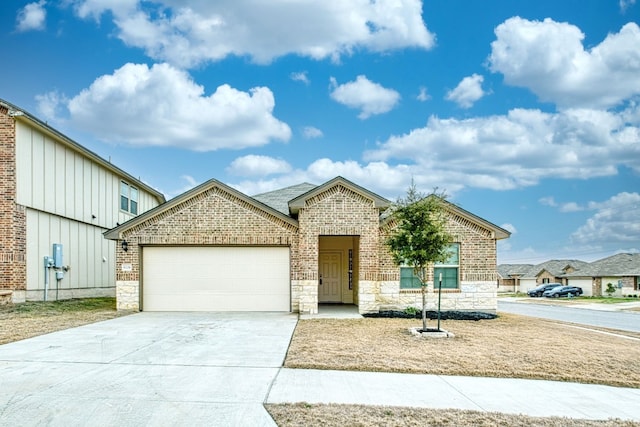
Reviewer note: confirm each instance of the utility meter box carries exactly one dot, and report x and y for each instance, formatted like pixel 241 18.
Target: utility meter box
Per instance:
pixel 57 255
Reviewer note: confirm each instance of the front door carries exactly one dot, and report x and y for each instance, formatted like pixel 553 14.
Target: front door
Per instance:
pixel 330 283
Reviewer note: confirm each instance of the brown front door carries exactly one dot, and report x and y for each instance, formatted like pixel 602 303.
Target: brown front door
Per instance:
pixel 330 283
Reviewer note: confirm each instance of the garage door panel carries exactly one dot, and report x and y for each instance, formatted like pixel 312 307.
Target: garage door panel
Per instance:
pixel 216 279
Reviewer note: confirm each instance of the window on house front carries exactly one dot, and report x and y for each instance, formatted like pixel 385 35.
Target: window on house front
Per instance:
pixel 408 280
pixel 449 269
pixel 128 198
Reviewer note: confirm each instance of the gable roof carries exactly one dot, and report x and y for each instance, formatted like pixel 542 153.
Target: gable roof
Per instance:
pixel 279 199
pixel 298 202
pixel 510 270
pixel 557 267
pixel 624 264
pixel 116 233
pixel 497 232
pixel 21 115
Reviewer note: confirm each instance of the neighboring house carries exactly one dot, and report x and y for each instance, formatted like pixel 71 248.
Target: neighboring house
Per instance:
pixel 54 191
pixel 622 271
pixel 552 271
pixel 509 276
pixel 215 248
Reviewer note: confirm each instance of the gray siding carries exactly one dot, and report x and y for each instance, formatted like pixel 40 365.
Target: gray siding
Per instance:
pixel 70 199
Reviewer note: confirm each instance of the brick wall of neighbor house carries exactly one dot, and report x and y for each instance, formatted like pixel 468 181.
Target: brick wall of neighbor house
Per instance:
pixel 214 217
pixel 597 286
pixel 338 211
pixel 478 273
pixel 12 216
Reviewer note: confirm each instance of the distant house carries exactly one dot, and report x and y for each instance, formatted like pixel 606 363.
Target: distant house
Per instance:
pixel 55 191
pixel 527 277
pixel 509 276
pixel 214 248
pixel 622 271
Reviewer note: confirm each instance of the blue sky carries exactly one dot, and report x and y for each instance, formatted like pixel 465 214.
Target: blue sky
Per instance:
pixel 527 113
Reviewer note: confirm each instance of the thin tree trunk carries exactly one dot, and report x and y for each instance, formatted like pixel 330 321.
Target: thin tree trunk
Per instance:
pixel 424 307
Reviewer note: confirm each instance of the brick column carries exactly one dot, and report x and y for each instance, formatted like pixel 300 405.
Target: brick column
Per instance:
pixel 12 216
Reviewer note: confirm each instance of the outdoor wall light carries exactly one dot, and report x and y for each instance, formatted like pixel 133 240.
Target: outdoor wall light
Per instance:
pixel 125 246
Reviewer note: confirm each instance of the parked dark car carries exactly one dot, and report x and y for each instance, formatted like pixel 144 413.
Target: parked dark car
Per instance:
pixel 563 291
pixel 539 290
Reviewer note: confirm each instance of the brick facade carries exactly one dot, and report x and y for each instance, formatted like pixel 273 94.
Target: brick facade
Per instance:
pixel 338 211
pixel 217 215
pixel 213 217
pixel 477 270
pixel 12 216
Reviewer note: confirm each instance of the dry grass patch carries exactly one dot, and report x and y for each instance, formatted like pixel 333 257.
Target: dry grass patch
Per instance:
pixel 510 346
pixel 29 319
pixel 304 414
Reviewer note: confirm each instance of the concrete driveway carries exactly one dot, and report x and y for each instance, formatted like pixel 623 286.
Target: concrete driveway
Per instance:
pixel 147 369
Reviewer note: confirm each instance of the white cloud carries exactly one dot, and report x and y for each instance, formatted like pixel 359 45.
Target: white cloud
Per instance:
pixel 368 97
pixel 310 132
pixel 626 4
pixel 50 103
pixel 423 95
pixel 396 178
pixel 571 207
pixel 32 17
pixel 518 149
pixel 616 220
pixel 300 77
pixel 547 201
pixel 189 32
pixel 564 207
pixel 253 165
pixel 162 106
pixel 549 58
pixel 468 91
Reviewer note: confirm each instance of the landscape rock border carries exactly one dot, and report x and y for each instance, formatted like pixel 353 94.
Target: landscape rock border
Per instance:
pixel 444 315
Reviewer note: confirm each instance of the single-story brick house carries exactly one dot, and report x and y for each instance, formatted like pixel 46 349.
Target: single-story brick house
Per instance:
pixel 214 248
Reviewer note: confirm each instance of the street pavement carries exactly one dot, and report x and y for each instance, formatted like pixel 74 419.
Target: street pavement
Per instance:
pixel 615 316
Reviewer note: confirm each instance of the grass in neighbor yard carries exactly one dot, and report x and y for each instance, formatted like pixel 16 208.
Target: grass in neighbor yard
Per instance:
pixel 29 319
pixel 510 346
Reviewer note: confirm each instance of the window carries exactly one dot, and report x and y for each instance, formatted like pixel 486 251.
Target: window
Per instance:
pixel 408 280
pixel 448 269
pixel 128 198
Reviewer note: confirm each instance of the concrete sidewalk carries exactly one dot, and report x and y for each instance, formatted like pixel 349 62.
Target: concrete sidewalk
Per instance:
pixel 513 396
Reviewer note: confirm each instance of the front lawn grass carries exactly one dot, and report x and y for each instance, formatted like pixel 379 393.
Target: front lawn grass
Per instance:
pixel 510 346
pixel 30 319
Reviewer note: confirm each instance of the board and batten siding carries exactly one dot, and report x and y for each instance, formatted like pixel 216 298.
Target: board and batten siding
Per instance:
pixel 54 178
pixel 89 255
pixel 70 199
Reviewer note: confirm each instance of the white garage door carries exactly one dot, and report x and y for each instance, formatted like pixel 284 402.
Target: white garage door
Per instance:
pixel 585 284
pixel 205 278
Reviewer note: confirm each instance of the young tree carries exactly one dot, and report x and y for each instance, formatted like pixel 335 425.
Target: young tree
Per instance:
pixel 419 238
